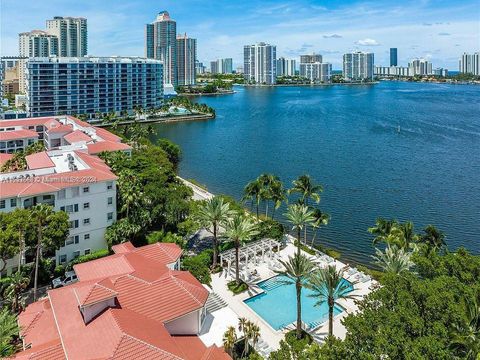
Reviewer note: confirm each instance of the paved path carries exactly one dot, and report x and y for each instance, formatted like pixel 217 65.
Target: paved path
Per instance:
pixel 198 192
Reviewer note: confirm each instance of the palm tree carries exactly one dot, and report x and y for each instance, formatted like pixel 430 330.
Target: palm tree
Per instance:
pixel 229 340
pixel 307 189
pixel 130 191
pixel 465 339
pixel 41 214
pixel 433 238
pixel 252 192
pixel 212 214
pixel 239 229
pixel 296 271
pixel 394 260
pixel 382 229
pixel 13 292
pixel 321 218
pixel 266 182
pixel 8 330
pixel 278 195
pixel 299 216
pixel 406 237
pixel 327 285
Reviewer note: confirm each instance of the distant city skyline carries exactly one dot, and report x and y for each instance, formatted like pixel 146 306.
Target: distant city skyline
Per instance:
pixel 439 31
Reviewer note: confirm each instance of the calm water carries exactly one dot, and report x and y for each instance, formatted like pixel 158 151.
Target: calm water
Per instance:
pixel 278 304
pixel 347 138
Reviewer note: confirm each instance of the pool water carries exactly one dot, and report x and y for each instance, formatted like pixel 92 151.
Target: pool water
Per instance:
pixel 278 304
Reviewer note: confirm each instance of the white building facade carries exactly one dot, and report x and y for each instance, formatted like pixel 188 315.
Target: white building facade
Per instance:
pixel 421 67
pixel 286 67
pixel 316 72
pixel 358 66
pixel 260 63
pixel 186 59
pixel 72 35
pixel 393 71
pixel 470 64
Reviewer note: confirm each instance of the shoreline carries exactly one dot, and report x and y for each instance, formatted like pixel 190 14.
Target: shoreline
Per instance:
pixel 311 85
pixel 175 118
pixel 230 92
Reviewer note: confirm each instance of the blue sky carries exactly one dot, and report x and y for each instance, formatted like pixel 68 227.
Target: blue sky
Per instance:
pixel 436 29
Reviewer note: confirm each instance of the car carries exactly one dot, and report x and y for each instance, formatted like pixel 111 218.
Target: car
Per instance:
pixel 69 278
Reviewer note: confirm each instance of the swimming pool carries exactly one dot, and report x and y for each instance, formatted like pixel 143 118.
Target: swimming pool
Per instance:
pixel 278 304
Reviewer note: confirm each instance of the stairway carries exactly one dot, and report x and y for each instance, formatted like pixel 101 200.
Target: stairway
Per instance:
pixel 271 284
pixel 215 302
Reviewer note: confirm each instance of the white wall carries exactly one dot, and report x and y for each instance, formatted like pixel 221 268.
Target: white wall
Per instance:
pixel 186 325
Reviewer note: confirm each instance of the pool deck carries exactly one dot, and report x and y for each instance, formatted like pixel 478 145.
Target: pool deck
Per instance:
pixel 271 336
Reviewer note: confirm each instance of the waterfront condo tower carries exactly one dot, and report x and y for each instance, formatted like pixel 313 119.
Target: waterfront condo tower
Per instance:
pixel 358 66
pixel 313 58
pixel 72 35
pixel 421 67
pixel 316 72
pixel 186 58
pixel 470 64
pixel 90 85
pixel 286 67
pixel 161 44
pixel 393 57
pixel 260 63
pixel 37 43
pixel 221 66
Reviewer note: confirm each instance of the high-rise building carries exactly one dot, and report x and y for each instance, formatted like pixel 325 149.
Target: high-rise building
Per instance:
pixel 393 57
pixel 37 43
pixel 470 64
pixel 393 71
pixel 186 58
pixel 221 66
pixel 161 44
pixel 358 66
pixel 89 85
pixel 286 67
pixel 313 58
pixel 199 67
pixel 71 33
pixel 260 63
pixel 421 67
pixel 316 72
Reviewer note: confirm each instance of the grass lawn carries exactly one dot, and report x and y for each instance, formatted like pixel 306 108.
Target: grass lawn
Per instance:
pixel 237 289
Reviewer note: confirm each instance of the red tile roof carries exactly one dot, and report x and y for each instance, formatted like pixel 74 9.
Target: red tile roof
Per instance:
pixel 77 136
pixel 100 146
pixel 123 247
pixel 39 161
pixel 4 158
pixel 17 134
pixel 136 327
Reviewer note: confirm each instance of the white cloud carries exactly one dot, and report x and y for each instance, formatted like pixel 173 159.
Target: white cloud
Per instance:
pixel 367 42
pixel 332 36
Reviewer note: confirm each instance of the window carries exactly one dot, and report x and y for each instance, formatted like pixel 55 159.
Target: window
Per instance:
pixel 2 204
pixel 110 185
pixel 110 216
pixel 86 236
pixel 87 251
pixel 62 259
pixel 75 191
pixel 13 202
pixel 62 194
pixel 110 201
pixel 73 224
pixel 72 239
pixel 86 205
pixel 76 254
pixel 77 239
pixel 86 221
pixel 86 189
pixel 70 208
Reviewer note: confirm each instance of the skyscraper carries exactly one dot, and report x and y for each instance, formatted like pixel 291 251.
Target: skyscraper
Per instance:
pixel 313 58
pixel 221 66
pixel 37 43
pixel 358 66
pixel 421 67
pixel 161 44
pixel 260 63
pixel 186 57
pixel 316 72
pixel 286 67
pixel 470 64
pixel 393 57
pixel 72 35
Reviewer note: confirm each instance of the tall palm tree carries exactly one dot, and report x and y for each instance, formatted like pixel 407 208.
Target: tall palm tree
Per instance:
pixel 297 269
pixel 394 260
pixel 266 182
pixel 239 229
pixel 406 237
pixel 433 238
pixel 229 340
pixel 252 192
pixel 299 216
pixel 382 230
pixel 321 218
pixel 41 214
pixel 307 190
pixel 13 292
pixel 465 339
pixel 212 214
pixel 328 286
pixel 278 195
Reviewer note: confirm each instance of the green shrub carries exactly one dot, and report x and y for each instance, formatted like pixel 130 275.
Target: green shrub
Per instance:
pixel 161 236
pixel 84 258
pixel 270 228
pixel 4 283
pixel 199 266
pixel 237 288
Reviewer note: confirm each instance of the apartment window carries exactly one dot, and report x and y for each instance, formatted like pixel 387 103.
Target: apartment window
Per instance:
pixel 87 251
pixel 86 205
pixel 62 259
pixel 86 189
pixel 110 216
pixel 86 236
pixel 76 238
pixel 110 201
pixel 13 202
pixel 2 204
pixel 75 191
pixel 69 208
pixel 73 224
pixel 69 241
pixel 62 194
pixel 76 254
pixel 86 221
pixel 110 185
